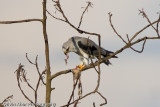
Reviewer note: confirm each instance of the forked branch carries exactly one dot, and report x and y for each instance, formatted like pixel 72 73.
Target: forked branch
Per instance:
pixel 19 73
pixel 129 40
pixel 145 16
pixel 128 45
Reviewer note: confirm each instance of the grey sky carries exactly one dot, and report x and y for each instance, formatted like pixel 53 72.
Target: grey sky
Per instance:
pixel 132 80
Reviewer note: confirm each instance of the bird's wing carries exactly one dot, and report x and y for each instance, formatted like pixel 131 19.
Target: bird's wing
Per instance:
pixel 91 48
pixel 88 46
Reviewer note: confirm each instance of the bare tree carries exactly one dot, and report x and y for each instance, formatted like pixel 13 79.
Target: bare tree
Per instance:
pixel 21 73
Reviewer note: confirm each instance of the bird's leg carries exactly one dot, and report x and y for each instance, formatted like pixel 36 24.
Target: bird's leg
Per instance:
pixel 81 67
pixel 84 62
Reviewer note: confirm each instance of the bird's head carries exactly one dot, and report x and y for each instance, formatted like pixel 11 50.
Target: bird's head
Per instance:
pixel 65 50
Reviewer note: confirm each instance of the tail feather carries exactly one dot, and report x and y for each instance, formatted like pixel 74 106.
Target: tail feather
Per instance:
pixel 108 62
pixel 109 53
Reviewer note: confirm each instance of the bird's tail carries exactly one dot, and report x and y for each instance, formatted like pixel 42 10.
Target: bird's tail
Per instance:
pixel 108 53
pixel 108 62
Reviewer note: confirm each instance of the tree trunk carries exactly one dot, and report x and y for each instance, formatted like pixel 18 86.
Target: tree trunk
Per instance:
pixel 48 81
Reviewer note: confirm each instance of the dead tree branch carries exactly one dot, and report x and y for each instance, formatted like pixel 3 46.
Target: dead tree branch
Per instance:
pixel 72 95
pixel 26 80
pixel 103 98
pixel 19 73
pixel 129 41
pixel 107 58
pixel 40 76
pixel 118 51
pixel 145 16
pixel 20 21
pixel 7 99
pixel 140 31
pixel 67 21
pixel 94 104
pixel 128 45
pixel 86 9
pixel 58 5
pixel 95 64
pixel 92 92
pixel 36 65
pixel 55 17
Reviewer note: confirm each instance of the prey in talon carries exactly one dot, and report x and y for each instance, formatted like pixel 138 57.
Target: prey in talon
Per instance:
pixel 86 49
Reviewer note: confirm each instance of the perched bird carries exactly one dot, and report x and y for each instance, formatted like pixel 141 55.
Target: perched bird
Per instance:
pixel 86 49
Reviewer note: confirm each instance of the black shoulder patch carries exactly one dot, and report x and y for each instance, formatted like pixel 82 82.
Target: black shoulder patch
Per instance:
pixel 88 49
pixel 84 47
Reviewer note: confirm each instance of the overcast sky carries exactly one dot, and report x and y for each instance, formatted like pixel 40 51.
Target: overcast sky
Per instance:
pixel 132 80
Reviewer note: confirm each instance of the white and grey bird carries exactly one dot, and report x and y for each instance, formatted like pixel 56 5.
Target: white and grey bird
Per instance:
pixel 85 48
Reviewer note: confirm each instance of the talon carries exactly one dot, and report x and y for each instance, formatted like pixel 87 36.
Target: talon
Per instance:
pixel 81 67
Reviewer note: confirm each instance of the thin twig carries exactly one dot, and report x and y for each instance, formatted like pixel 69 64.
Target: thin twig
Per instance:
pixel 60 10
pixel 74 87
pixel 141 48
pixel 40 77
pixel 40 74
pixel 145 15
pixel 7 99
pixel 55 17
pixel 128 45
pixel 75 104
pixel 25 79
pixel 103 98
pixel 158 25
pixel 110 17
pixel 93 65
pixel 18 71
pixel 29 59
pixel 127 37
pixel 36 65
pixel 94 104
pixel 68 22
pixel 90 55
pixel 140 31
pixel 129 41
pixel 81 31
pixel 89 5
pixel 79 98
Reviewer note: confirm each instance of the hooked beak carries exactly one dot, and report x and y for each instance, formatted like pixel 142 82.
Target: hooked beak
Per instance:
pixel 65 52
